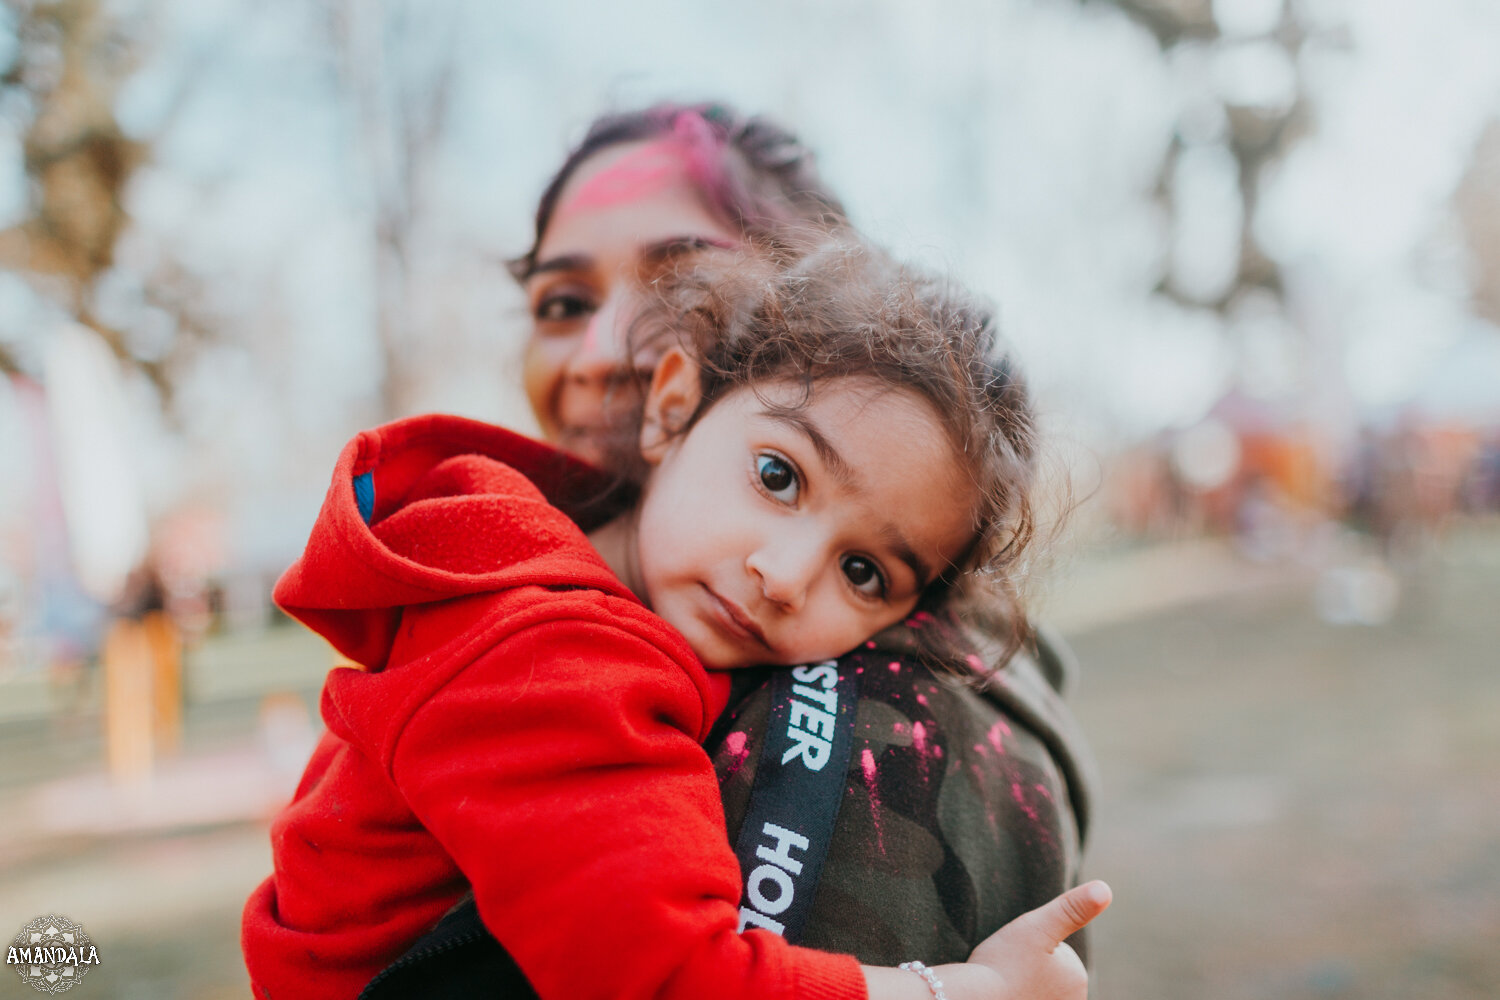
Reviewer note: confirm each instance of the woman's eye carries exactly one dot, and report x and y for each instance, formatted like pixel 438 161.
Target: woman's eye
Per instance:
pixel 561 308
pixel 778 477
pixel 864 575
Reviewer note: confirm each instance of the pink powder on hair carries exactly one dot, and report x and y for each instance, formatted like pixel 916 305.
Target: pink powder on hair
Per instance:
pixel 921 699
pixel 870 644
pixel 975 662
pixel 701 146
pixel 995 733
pixel 895 666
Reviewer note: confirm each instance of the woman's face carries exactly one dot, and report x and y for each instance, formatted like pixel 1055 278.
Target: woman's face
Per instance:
pixel 624 210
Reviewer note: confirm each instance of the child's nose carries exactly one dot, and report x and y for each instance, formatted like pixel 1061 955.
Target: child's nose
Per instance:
pixel 786 570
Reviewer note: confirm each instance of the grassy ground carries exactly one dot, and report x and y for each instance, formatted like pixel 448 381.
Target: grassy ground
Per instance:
pixel 1297 810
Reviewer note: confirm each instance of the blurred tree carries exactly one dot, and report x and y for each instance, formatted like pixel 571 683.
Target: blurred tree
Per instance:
pixel 401 104
pixel 1171 21
pixel 1256 134
pixel 1478 202
pixel 70 58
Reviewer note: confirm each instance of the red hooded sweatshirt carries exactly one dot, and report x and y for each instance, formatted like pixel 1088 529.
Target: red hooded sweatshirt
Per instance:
pixel 521 725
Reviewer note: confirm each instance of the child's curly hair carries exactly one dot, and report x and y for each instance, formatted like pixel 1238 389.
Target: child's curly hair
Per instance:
pixel 827 306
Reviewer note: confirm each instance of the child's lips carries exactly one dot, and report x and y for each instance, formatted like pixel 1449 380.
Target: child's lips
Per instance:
pixel 736 619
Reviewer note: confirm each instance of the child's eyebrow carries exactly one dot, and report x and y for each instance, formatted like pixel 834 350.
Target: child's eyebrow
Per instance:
pixel 844 473
pixel 903 550
pixel 840 469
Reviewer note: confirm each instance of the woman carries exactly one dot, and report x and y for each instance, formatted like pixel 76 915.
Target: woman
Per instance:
pixel 956 810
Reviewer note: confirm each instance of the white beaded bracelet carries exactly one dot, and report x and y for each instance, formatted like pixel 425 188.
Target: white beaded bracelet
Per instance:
pixel 933 982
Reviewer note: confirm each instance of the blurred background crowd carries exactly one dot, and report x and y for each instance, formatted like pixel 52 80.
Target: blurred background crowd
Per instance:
pixel 1249 251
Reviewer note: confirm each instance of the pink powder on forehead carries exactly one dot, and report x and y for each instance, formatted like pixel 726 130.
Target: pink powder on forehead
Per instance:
pixel 692 153
pixel 636 175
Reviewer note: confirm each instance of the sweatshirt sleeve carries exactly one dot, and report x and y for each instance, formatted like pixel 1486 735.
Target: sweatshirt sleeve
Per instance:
pixel 562 773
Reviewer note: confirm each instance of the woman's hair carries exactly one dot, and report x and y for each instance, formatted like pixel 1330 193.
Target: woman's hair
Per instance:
pixel 751 172
pixel 839 308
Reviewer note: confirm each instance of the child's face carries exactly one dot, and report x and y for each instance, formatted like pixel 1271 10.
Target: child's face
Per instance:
pixel 771 538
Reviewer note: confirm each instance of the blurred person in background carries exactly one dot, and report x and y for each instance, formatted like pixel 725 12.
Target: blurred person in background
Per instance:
pixel 923 861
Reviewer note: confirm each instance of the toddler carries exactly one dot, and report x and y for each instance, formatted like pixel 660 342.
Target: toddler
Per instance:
pixel 827 445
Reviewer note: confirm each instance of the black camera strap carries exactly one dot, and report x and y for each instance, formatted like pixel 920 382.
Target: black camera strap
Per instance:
pixel 794 800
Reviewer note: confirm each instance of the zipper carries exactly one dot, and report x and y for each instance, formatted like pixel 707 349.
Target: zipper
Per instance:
pixel 412 958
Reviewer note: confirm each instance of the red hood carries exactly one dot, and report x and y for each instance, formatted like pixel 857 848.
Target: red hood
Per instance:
pixel 458 508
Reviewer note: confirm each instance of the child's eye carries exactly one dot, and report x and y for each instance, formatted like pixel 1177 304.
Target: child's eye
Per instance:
pixel 778 477
pixel 864 574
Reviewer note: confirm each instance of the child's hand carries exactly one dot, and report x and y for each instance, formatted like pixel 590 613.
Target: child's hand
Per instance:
pixel 1027 959
pixel 1031 954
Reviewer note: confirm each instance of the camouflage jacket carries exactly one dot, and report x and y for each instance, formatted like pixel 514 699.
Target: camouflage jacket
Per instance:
pixel 962 809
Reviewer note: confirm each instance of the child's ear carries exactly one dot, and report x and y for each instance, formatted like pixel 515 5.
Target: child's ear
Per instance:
pixel 670 402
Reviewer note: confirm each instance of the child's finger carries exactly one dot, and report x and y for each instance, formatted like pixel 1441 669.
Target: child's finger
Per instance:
pixel 1070 912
